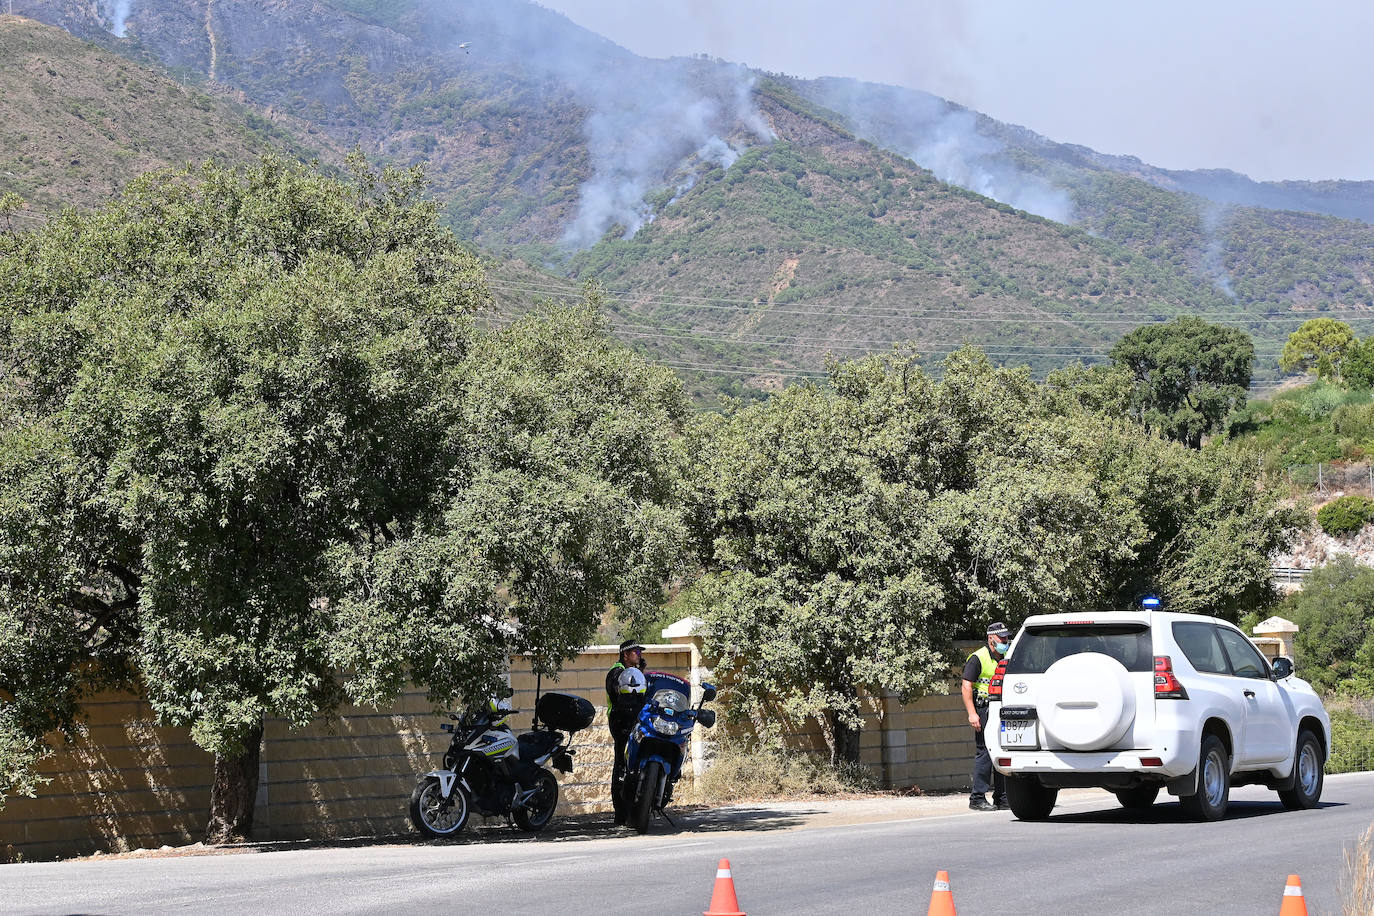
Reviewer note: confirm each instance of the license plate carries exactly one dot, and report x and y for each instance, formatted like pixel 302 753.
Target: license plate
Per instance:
pixel 1018 733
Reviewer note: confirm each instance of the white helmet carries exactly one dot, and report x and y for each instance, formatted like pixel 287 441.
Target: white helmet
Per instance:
pixel 632 681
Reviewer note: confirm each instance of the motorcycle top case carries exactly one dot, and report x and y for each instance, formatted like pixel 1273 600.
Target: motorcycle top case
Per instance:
pixel 565 711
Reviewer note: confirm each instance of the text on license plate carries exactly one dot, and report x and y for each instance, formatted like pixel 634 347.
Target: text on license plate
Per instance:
pixel 1018 733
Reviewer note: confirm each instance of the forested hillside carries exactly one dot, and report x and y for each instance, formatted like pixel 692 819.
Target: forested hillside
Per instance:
pixel 1268 246
pixel 79 122
pixel 745 225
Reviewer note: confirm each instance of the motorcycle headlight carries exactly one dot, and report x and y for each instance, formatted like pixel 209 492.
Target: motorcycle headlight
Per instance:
pixel 673 700
pixel 666 726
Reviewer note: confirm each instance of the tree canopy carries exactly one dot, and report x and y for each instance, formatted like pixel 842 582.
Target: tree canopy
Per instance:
pixel 562 502
pixel 1188 374
pixel 1357 366
pixel 1319 346
pixel 1335 643
pixel 849 532
pixel 247 415
pixel 210 383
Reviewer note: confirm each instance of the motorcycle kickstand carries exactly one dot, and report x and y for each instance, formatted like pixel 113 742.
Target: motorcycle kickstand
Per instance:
pixel 664 815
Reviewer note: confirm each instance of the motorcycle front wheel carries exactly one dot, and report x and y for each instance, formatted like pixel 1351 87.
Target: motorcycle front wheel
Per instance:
pixel 435 816
pixel 644 800
pixel 538 811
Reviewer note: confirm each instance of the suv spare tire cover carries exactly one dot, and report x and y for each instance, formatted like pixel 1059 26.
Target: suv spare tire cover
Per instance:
pixel 1086 701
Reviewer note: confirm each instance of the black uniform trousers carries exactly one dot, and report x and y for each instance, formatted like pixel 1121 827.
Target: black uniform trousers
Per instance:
pixel 984 776
pixel 620 733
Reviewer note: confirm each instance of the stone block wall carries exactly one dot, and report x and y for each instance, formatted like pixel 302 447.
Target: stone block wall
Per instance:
pixel 125 783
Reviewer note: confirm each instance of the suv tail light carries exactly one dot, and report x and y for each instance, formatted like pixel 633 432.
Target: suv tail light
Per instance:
pixel 1167 687
pixel 995 685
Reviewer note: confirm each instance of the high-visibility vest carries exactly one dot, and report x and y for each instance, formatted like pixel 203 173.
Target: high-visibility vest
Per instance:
pixel 984 656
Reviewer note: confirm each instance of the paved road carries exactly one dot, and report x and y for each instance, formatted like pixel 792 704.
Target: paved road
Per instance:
pixel 1090 858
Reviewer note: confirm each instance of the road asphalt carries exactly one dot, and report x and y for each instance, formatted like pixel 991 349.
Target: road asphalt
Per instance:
pixel 872 855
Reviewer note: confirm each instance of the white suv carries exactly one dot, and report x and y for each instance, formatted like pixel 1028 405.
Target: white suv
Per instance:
pixel 1139 701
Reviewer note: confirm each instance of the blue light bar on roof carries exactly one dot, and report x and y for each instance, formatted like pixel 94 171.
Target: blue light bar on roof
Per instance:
pixel 1151 603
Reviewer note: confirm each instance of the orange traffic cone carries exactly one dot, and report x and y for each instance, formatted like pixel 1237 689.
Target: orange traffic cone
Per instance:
pixel 723 902
pixel 941 900
pixel 1293 904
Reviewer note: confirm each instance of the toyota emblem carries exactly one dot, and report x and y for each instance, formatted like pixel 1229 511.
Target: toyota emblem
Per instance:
pixel 1019 686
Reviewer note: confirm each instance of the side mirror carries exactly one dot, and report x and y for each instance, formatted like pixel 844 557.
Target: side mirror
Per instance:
pixel 1283 667
pixel 707 717
pixel 708 692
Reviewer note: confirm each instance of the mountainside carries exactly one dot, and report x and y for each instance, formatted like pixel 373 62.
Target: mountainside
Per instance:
pixel 1217 224
pixel 80 122
pixel 820 242
pixel 744 224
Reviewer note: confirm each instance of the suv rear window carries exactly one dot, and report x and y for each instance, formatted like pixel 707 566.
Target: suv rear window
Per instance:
pixel 1041 647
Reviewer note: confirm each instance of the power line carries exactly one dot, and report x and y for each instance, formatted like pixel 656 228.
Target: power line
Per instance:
pixel 948 315
pixel 860 346
pixel 648 331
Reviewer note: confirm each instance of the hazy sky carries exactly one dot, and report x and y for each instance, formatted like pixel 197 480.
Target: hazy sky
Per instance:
pixel 1273 89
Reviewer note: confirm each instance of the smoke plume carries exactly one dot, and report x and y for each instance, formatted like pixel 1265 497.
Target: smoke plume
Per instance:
pixel 943 138
pixel 118 12
pixel 638 135
pixel 649 125
pixel 1214 249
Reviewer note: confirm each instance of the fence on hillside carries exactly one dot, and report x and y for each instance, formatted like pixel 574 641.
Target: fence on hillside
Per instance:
pixel 1330 478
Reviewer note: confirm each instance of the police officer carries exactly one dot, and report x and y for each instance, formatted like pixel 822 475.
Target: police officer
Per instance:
pixel 625 686
pixel 978 671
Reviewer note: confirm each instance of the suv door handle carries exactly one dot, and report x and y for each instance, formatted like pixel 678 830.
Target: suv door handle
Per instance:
pixel 1250 694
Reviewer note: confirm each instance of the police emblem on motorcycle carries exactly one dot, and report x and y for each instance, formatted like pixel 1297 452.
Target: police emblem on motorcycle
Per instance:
pixel 1019 686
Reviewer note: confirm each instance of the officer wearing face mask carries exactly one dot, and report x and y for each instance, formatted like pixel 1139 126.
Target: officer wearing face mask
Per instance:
pixel 978 671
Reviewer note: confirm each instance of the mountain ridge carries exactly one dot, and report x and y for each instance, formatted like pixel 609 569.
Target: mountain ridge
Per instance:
pixel 705 180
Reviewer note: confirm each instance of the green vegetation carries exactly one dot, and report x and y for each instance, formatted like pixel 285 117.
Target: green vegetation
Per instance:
pixel 1335 643
pixel 1345 515
pixel 1352 740
pixel 1189 375
pixel 1318 347
pixel 1357 366
pixel 1303 426
pixel 256 458
pixel 848 533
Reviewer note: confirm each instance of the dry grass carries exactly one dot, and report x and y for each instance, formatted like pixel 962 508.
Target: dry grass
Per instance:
pixel 1357 884
pixel 742 770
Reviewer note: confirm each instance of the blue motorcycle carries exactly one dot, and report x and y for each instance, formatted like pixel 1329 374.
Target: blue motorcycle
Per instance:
pixel 654 754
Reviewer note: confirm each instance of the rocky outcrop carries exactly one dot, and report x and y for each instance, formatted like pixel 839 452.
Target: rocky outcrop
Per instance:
pixel 1315 547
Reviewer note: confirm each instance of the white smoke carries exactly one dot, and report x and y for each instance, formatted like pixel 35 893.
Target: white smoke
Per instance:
pixel 1214 249
pixel 957 153
pixel 944 139
pixel 640 132
pixel 714 152
pixel 118 12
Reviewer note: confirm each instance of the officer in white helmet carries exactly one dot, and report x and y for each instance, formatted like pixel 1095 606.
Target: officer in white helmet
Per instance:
pixel 625 694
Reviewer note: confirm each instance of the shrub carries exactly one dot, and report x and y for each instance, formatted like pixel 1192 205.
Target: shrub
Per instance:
pixel 1355 421
pixel 1320 401
pixel 1357 884
pixel 1334 643
pixel 1345 515
pixel 746 768
pixel 1352 741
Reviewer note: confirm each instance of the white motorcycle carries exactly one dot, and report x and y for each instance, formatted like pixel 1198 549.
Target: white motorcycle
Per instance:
pixel 496 773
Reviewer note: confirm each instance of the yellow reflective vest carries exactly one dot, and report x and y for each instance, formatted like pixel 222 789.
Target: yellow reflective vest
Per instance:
pixel 980 687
